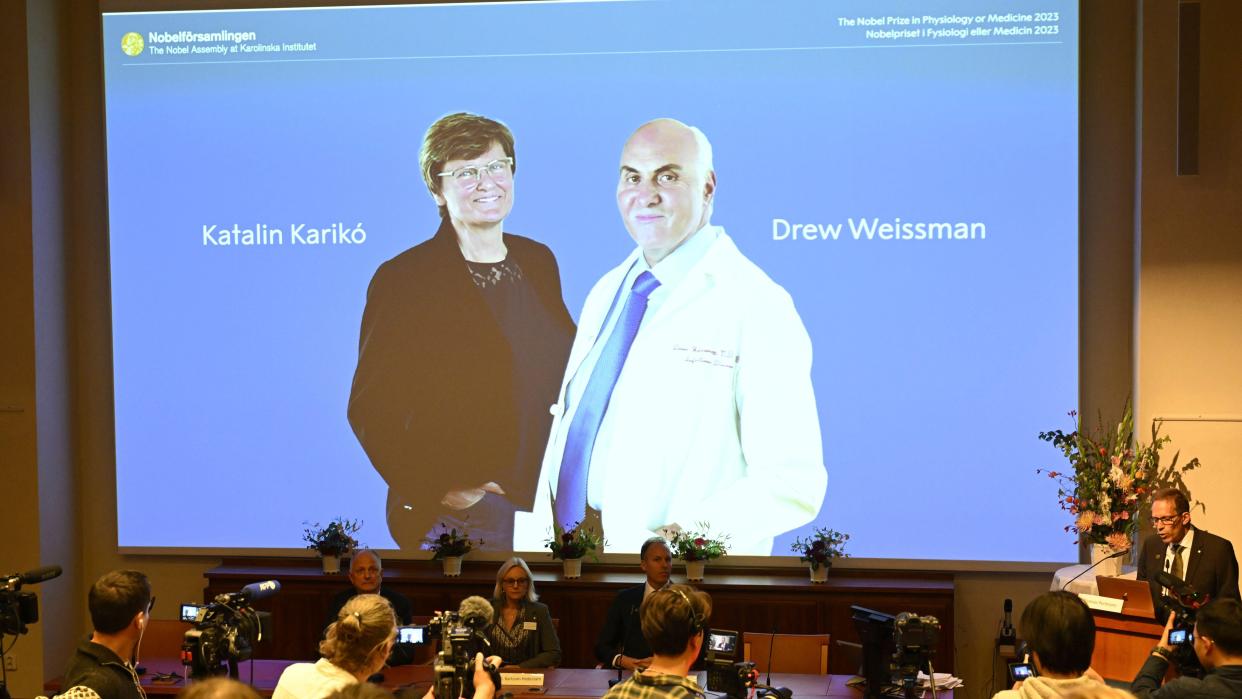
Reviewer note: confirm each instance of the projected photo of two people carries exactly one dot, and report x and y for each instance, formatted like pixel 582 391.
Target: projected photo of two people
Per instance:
pixel 683 396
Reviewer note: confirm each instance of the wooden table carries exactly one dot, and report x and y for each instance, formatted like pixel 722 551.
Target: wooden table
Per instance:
pixel 416 679
pixel 754 599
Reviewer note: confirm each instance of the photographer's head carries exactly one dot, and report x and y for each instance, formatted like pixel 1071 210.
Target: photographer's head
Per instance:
pixel 1218 633
pixel 673 620
pixel 120 605
pixel 1061 633
pixel 361 637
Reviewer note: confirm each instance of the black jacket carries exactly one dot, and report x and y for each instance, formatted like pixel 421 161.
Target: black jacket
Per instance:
pixel 433 401
pixel 1224 681
pixel 97 667
pixel 542 649
pixel 1213 568
pixel 623 631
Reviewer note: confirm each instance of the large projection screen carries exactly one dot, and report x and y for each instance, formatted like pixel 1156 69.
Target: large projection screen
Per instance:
pixel 907 174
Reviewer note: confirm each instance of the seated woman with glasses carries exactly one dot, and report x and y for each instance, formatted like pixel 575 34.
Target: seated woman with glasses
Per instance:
pixel 521 632
pixel 355 647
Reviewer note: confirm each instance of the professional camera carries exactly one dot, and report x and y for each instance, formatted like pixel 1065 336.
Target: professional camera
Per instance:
pixel 1182 598
pixel 724 672
pixel 226 630
pixel 914 644
pixel 19 609
pixel 461 638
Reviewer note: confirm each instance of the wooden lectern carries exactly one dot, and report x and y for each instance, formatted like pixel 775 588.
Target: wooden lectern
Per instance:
pixel 1123 640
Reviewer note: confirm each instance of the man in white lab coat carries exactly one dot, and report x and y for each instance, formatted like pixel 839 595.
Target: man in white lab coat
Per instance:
pixel 687 396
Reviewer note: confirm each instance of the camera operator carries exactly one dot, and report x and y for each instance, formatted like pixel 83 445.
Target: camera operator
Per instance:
pixel 120 605
pixel 1061 634
pixel 673 620
pixel 1218 645
pixel 356 647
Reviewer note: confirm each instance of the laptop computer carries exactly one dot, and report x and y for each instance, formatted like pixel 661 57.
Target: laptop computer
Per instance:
pixel 1136 593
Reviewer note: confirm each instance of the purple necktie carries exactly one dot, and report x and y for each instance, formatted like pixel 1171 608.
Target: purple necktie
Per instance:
pixel 571 486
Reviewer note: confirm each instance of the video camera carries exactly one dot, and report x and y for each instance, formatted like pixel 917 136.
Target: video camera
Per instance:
pixel 461 638
pixel 725 673
pixel 1184 601
pixel 226 630
pixel 914 644
pixel 19 609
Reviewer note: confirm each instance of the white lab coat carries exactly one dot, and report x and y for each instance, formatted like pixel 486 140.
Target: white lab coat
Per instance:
pixel 713 417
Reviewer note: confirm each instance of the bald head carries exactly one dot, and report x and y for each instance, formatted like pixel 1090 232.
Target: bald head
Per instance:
pixel 666 185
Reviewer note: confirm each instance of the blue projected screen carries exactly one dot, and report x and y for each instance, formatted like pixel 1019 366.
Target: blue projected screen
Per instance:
pixel 869 291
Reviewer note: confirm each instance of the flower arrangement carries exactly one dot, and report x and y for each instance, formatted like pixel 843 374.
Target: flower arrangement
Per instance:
pixel 450 542
pixel 1112 475
pixel 689 545
pixel 336 539
pixel 820 549
pixel 575 543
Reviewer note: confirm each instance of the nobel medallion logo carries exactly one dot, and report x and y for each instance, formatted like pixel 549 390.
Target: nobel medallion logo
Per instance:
pixel 132 44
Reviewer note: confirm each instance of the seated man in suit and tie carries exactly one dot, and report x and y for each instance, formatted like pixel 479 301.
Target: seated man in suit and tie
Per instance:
pixel 366 575
pixel 621 643
pixel 1205 561
pixel 687 396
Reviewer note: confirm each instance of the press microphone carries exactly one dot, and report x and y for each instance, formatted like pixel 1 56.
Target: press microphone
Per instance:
pixel 771 647
pixel 1179 587
pixel 768 689
pixel 1007 632
pixel 250 593
pixel 1109 557
pixel 30 577
pixel 476 613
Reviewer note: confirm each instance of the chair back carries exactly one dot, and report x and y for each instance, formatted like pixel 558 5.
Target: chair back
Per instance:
pixel 798 653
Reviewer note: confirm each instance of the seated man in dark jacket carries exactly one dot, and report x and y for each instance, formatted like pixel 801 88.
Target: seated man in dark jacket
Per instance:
pixel 1218 644
pixel 366 574
pixel 621 643
pixel 120 605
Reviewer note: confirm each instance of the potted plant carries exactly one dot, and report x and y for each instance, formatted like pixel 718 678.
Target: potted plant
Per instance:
pixel 696 548
pixel 819 550
pixel 333 541
pixel 1112 473
pixel 573 545
pixel 449 546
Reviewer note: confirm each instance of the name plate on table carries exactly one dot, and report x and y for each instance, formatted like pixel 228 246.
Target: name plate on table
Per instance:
pixel 1102 604
pixel 521 679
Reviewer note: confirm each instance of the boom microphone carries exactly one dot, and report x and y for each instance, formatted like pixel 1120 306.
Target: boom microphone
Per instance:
pixel 1179 587
pixel 1109 557
pixel 476 612
pixel 30 577
pixel 260 590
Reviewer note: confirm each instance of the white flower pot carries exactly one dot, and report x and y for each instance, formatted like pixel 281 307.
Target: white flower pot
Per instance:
pixel 573 568
pixel 819 574
pixel 331 564
pixel 694 570
pixel 1110 569
pixel 452 566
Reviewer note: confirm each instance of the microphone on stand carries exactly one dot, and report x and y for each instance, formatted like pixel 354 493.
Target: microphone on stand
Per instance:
pixel 1093 565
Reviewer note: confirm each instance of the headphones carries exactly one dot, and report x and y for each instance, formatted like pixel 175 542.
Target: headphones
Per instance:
pixel 696 619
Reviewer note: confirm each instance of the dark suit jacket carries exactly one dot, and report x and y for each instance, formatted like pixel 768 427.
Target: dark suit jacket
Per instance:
pixel 543 648
pixel 623 632
pixel 1212 570
pixel 433 400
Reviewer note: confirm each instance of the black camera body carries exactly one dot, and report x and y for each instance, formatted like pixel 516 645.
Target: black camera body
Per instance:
pixel 17 610
pixel 224 634
pixel 725 673
pixel 461 638
pixel 1184 602
pixel 914 644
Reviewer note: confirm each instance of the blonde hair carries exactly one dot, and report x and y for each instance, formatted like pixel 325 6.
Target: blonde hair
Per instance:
pixel 365 623
pixel 505 567
pixel 218 688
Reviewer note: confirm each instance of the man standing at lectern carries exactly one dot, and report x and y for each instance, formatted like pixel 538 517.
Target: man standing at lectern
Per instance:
pixel 1205 561
pixel 687 396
